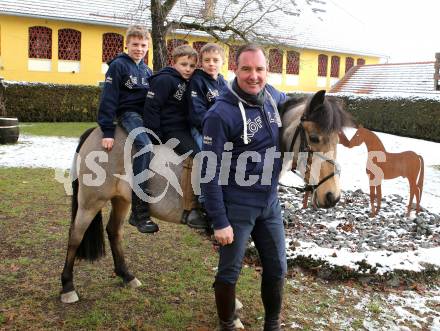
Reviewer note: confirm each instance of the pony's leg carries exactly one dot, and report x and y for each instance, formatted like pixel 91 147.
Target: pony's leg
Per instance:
pixel 372 197
pixel 76 233
pixel 120 208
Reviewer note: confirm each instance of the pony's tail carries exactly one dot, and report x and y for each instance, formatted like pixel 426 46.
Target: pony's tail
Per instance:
pixel 92 245
pixel 421 176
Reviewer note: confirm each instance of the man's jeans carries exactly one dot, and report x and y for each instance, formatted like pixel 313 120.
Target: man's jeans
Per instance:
pixel 130 121
pixel 266 228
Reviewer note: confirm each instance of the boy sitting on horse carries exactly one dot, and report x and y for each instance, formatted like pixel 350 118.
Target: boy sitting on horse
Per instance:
pixel 205 87
pixel 166 114
pixel 123 97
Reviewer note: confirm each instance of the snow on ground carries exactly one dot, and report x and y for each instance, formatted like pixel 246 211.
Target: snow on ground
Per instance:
pixel 39 152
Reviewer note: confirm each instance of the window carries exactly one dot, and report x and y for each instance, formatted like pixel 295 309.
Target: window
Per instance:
pixel 40 42
pixel 322 65
pixel 171 44
pixel 275 61
pixel 292 66
pixel 349 63
pixel 231 57
pixel 69 44
pixel 197 45
pixel 360 62
pixel 112 45
pixel 334 72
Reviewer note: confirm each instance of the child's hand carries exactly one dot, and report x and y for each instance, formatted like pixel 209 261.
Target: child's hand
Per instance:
pixel 107 143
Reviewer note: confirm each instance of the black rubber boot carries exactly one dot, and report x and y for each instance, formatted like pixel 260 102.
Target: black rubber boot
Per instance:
pixel 272 296
pixel 225 302
pixel 195 219
pixel 140 216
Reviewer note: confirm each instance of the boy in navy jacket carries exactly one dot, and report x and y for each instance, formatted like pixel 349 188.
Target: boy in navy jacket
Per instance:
pixel 166 114
pixel 205 86
pixel 123 98
pixel 242 130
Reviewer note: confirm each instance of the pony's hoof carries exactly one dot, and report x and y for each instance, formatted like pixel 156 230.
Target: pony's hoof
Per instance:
pixel 238 304
pixel 238 324
pixel 134 283
pixel 69 297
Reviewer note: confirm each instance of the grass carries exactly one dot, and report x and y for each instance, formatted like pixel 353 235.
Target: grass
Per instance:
pixel 176 266
pixel 66 129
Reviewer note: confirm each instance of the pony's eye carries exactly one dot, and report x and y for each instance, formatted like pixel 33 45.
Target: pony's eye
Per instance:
pixel 314 139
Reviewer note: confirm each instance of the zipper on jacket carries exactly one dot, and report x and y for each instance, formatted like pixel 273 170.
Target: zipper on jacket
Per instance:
pixel 267 122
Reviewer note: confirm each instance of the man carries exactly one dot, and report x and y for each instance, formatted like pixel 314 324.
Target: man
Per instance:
pixel 123 97
pixel 244 125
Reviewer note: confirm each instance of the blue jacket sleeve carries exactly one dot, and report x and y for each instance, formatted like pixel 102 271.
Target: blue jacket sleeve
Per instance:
pixel 198 105
pixel 214 137
pixel 157 95
pixel 109 101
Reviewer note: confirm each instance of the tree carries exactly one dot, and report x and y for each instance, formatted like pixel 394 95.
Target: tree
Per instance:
pixel 227 20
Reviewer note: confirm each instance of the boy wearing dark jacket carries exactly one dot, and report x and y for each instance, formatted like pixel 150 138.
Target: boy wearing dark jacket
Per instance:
pixel 123 98
pixel 166 114
pixel 205 86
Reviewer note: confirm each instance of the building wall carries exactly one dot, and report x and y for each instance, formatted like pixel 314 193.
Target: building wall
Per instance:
pixel 14 61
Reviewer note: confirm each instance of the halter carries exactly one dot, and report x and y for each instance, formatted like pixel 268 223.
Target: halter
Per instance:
pixel 305 147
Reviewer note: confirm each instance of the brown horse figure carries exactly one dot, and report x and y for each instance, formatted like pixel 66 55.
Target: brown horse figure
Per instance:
pixel 383 165
pixel 319 119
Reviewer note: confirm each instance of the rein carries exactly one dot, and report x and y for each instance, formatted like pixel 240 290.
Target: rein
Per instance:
pixel 304 147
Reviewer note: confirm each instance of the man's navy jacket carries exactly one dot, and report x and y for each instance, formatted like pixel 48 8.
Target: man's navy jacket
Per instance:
pixel 223 123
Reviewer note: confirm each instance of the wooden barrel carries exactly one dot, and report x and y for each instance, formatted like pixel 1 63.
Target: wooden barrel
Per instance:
pixel 8 130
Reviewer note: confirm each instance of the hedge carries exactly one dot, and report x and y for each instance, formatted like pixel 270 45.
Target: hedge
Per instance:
pixel 416 116
pixel 39 102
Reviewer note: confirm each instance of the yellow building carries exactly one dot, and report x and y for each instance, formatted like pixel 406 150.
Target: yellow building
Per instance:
pixel 66 42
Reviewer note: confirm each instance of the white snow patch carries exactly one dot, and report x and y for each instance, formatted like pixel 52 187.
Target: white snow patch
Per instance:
pixel 382 260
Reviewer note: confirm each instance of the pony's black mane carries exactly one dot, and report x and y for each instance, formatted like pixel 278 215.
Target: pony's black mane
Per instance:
pixel 329 116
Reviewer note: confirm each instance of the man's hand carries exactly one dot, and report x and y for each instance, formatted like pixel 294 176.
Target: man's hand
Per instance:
pixel 224 236
pixel 107 143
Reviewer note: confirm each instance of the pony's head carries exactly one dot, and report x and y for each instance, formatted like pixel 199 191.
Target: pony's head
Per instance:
pixel 310 131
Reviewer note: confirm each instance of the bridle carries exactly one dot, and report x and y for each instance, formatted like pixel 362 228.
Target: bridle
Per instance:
pixel 304 147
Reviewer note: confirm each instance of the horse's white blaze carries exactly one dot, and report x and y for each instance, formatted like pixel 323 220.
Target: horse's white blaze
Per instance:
pixel 238 324
pixel 69 297
pixel 134 283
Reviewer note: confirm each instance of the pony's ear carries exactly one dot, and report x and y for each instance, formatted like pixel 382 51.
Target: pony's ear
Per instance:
pixel 317 100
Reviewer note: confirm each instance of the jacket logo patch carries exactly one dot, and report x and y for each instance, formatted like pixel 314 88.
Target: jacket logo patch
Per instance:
pixel 109 80
pixel 211 95
pixel 180 91
pixel 253 127
pixel 194 94
pixel 150 94
pixel 207 140
pixel 131 82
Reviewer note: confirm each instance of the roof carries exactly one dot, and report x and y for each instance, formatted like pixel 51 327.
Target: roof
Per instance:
pixel 310 26
pixel 411 78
